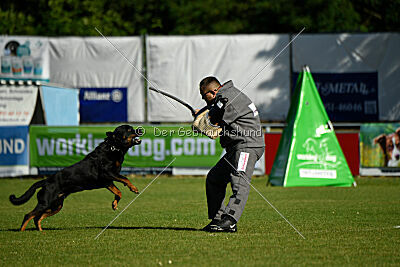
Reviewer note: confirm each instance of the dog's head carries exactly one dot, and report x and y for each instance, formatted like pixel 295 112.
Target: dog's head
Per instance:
pixel 125 136
pixel 390 145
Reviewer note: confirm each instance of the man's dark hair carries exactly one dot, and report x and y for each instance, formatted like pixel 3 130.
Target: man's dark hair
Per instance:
pixel 208 80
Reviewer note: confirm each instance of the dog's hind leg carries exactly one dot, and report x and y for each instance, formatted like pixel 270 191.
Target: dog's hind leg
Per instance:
pixel 117 194
pixel 26 220
pixel 48 213
pixel 34 213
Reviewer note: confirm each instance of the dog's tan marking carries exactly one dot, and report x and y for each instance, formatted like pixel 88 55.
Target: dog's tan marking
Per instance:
pixel 26 220
pixel 48 213
pixel 128 183
pixel 117 194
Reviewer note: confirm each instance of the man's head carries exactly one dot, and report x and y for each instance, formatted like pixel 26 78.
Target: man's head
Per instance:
pixel 209 87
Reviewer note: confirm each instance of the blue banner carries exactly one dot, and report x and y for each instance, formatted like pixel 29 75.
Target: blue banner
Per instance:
pixel 60 105
pixel 14 150
pixel 103 104
pixel 348 97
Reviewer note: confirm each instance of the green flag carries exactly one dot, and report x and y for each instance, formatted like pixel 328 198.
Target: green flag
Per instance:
pixel 309 153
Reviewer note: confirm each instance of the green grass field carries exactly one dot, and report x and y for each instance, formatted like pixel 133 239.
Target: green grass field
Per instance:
pixel 342 226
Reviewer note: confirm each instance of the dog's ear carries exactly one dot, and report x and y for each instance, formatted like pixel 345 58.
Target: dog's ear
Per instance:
pixel 398 131
pixel 381 140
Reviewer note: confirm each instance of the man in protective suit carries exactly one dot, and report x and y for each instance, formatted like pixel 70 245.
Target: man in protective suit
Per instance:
pixel 242 138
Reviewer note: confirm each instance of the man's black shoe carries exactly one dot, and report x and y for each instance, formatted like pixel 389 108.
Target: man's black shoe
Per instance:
pixel 227 224
pixel 212 224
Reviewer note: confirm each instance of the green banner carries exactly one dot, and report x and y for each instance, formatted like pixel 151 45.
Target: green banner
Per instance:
pixel 63 146
pixel 380 145
pixel 309 153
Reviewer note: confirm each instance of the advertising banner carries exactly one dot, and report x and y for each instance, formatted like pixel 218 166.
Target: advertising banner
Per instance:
pixel 60 105
pixel 176 64
pixel 348 96
pixel 24 58
pixel 348 53
pixel 380 149
pixel 348 141
pixel 14 156
pixel 52 148
pixel 103 105
pixel 17 104
pixel 309 153
pixel 91 62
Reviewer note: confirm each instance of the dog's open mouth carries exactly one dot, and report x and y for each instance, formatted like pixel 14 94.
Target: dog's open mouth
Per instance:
pixel 136 140
pixel 133 140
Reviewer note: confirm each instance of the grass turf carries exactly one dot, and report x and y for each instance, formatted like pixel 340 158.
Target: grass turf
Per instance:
pixel 342 226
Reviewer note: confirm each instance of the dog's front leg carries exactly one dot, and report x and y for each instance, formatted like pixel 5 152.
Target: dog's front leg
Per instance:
pixel 117 194
pixel 126 182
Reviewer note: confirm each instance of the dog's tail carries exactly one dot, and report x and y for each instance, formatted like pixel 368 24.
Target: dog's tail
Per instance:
pixel 28 194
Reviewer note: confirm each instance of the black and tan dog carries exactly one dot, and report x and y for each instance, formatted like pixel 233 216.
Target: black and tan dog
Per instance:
pixel 99 169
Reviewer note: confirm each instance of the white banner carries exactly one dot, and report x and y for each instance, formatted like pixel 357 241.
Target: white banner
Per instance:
pixel 177 64
pixel 17 104
pixel 12 171
pixel 24 58
pixel 356 53
pixel 92 62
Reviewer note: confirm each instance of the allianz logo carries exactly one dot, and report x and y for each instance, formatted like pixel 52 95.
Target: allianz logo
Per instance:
pixel 115 96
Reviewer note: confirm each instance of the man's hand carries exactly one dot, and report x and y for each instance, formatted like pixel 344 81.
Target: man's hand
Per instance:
pixel 216 123
pixel 197 111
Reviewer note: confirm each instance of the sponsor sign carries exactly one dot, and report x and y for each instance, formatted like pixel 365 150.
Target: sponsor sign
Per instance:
pixel 17 104
pixel 56 147
pixel 348 96
pixel 60 105
pixel 316 173
pixel 14 157
pixel 309 153
pixel 380 149
pixel 24 58
pixel 103 104
pixel 348 141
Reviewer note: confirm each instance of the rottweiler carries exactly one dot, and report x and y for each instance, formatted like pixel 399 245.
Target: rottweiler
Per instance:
pixel 99 169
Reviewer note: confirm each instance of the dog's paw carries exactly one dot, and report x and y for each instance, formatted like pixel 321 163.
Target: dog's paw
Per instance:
pixel 114 205
pixel 134 190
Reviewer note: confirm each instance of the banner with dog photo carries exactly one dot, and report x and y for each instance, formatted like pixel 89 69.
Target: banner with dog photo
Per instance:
pixel 380 149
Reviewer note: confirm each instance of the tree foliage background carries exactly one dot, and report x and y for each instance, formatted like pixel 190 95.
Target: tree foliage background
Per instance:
pixel 181 17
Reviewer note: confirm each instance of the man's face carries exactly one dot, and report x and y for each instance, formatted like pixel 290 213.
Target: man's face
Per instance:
pixel 209 93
